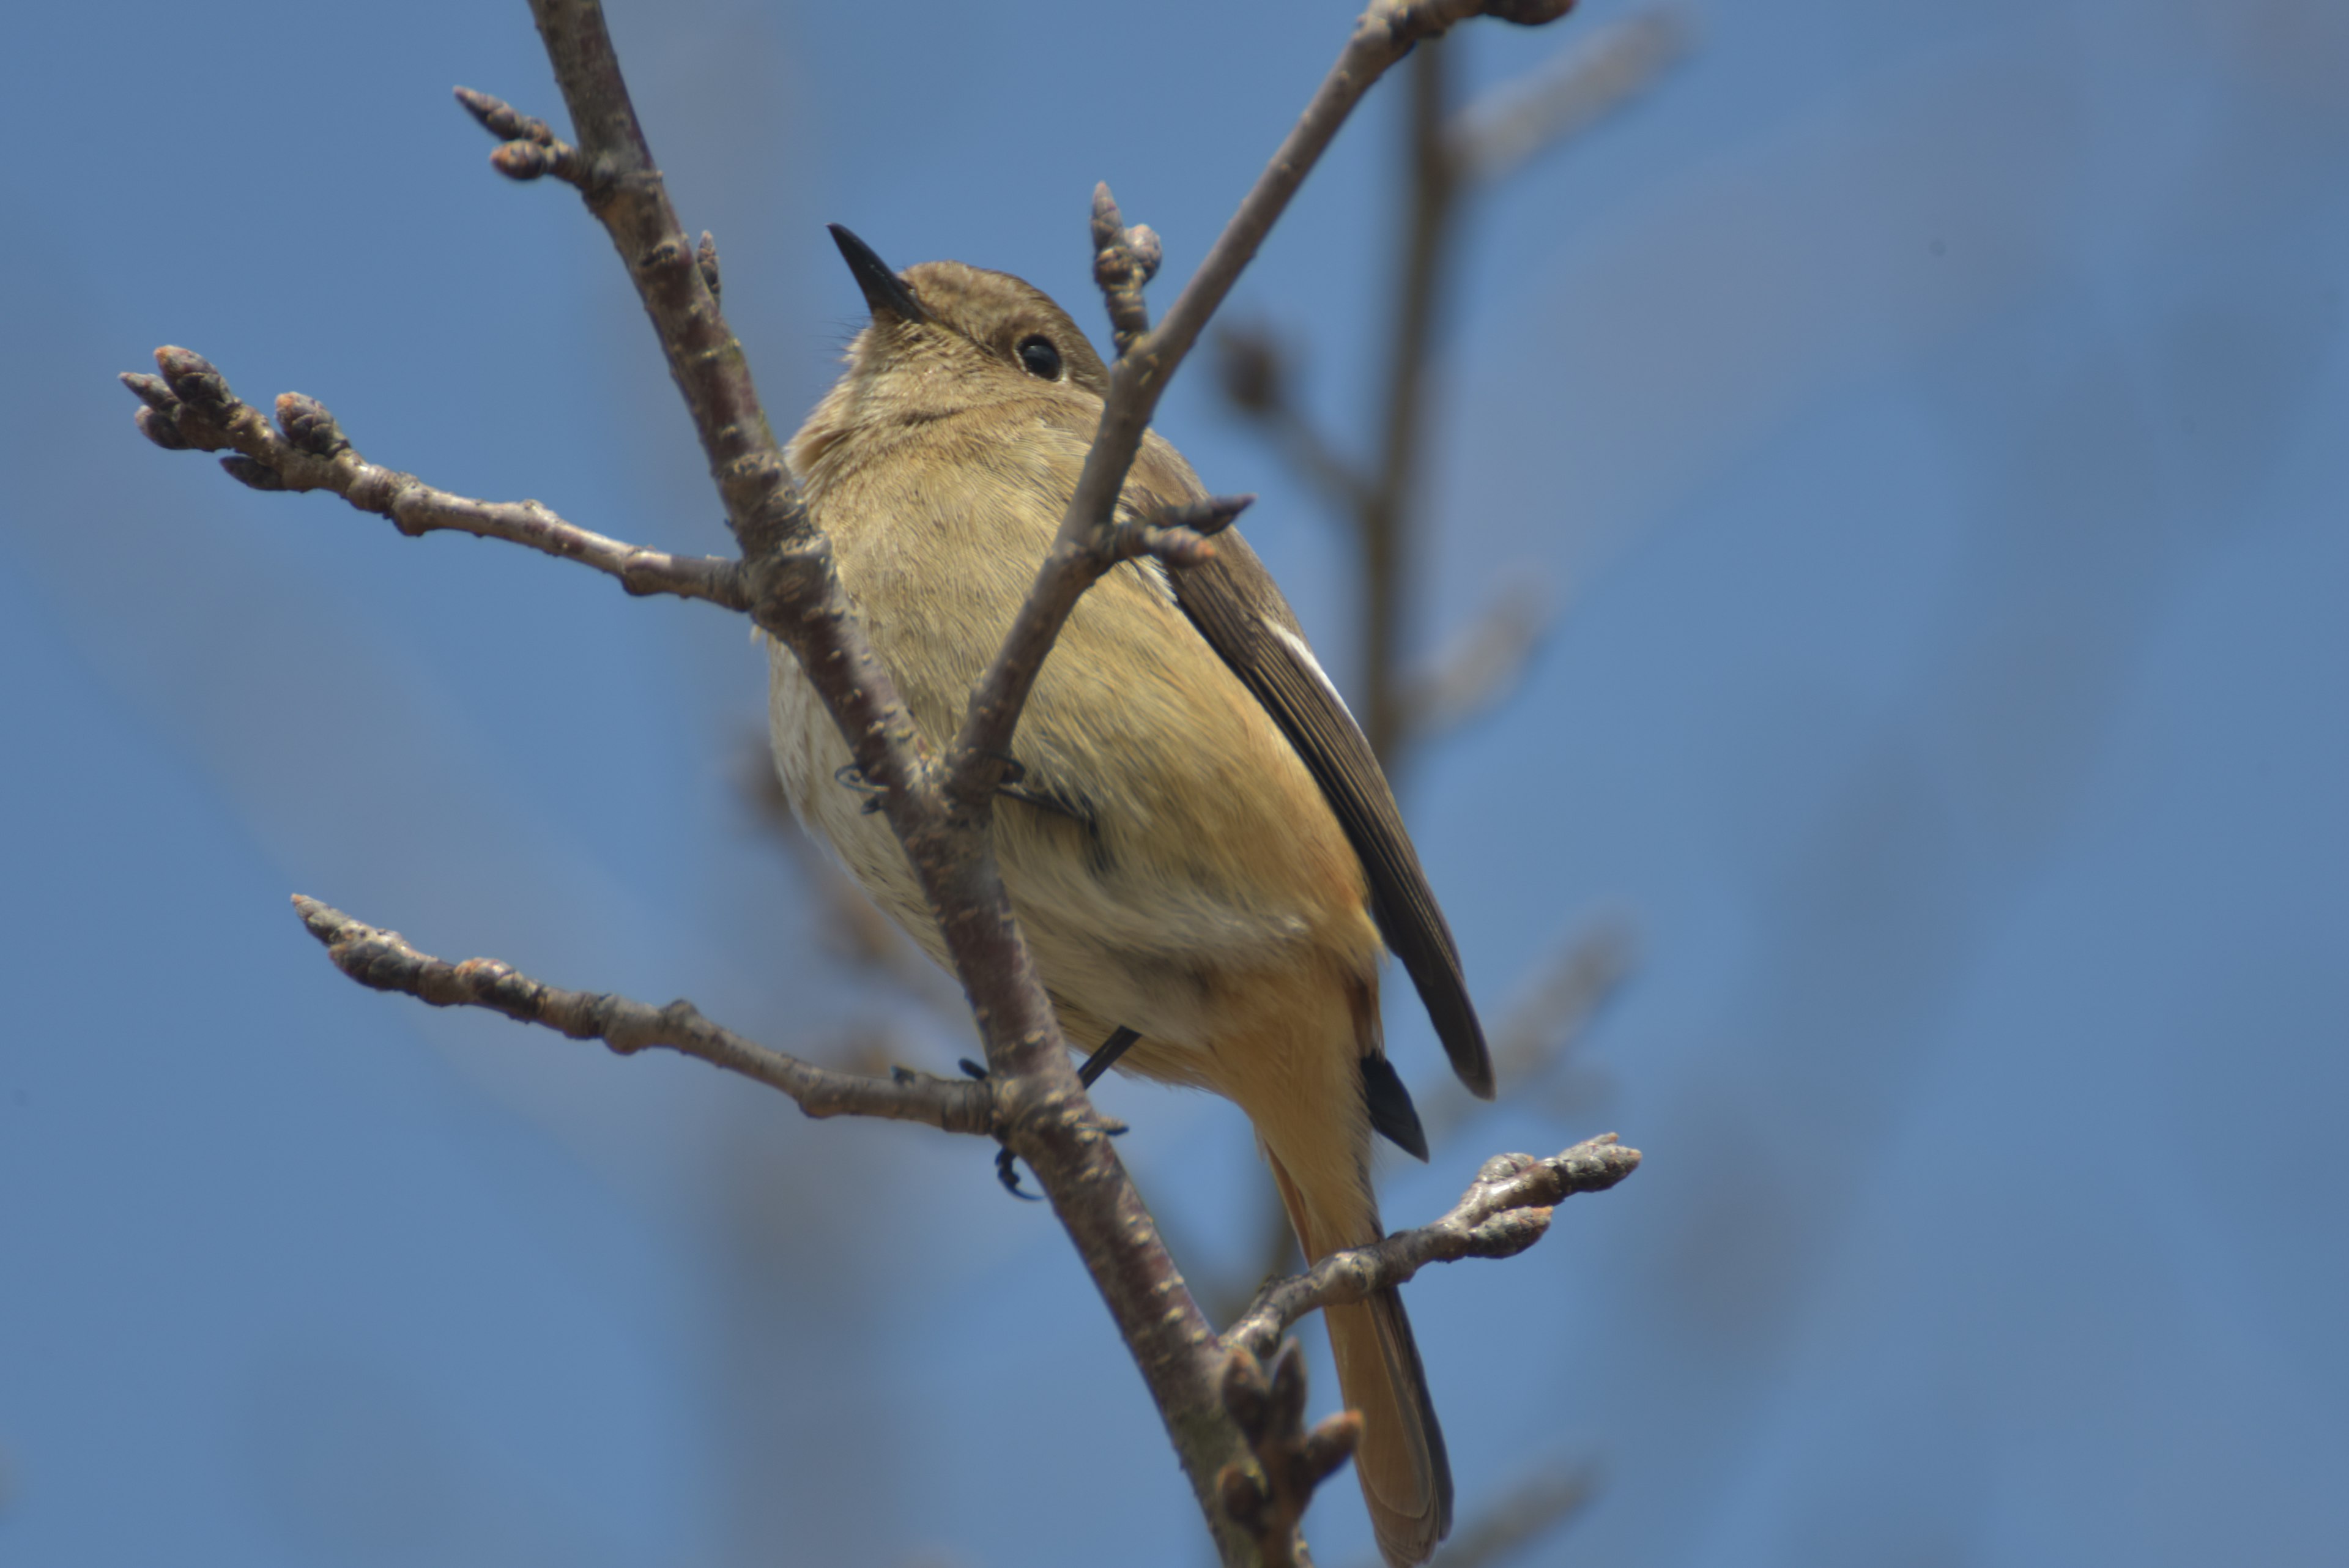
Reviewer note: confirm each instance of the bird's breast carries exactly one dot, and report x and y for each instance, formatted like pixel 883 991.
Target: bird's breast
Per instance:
pixel 1171 837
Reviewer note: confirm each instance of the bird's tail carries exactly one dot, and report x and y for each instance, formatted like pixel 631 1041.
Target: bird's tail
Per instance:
pixel 1406 1477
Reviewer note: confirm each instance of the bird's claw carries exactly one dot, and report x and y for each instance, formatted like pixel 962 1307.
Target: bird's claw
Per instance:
pixel 1007 1172
pixel 1007 1169
pixel 854 778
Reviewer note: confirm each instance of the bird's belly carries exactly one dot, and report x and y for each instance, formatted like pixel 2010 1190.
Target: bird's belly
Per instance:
pixel 1124 942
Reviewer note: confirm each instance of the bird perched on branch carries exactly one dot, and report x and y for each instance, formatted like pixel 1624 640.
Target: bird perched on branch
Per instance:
pixel 1198 844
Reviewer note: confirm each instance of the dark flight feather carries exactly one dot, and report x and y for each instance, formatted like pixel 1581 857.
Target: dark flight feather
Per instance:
pixel 1234 603
pixel 1393 1115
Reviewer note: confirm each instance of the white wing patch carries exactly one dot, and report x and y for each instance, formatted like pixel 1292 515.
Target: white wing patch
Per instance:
pixel 1297 646
pixel 1152 572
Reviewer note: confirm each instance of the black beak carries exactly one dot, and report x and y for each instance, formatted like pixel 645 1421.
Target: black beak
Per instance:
pixel 883 290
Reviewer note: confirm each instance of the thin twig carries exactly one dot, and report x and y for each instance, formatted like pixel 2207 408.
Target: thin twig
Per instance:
pixel 1506 1210
pixel 1124 259
pixel 384 960
pixel 190 407
pixel 530 149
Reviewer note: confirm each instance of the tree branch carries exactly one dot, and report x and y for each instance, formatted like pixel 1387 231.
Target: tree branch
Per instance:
pixel 1268 1497
pixel 190 407
pixel 1506 1210
pixel 385 961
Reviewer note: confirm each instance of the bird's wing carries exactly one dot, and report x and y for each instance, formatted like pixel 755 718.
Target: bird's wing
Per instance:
pixel 1236 606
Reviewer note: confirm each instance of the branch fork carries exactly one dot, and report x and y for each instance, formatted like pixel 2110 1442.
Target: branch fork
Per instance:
pixel 530 149
pixel 1266 1494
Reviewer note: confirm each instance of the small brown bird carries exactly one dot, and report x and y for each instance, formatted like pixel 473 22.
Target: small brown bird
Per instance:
pixel 1200 845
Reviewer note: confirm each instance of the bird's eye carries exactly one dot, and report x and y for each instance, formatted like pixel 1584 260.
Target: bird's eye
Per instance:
pixel 1039 358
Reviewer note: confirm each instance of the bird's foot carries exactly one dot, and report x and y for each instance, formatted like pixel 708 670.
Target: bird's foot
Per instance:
pixel 1007 1169
pixel 854 778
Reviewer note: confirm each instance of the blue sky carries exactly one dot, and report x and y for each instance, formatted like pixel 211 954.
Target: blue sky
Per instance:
pixel 1929 421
